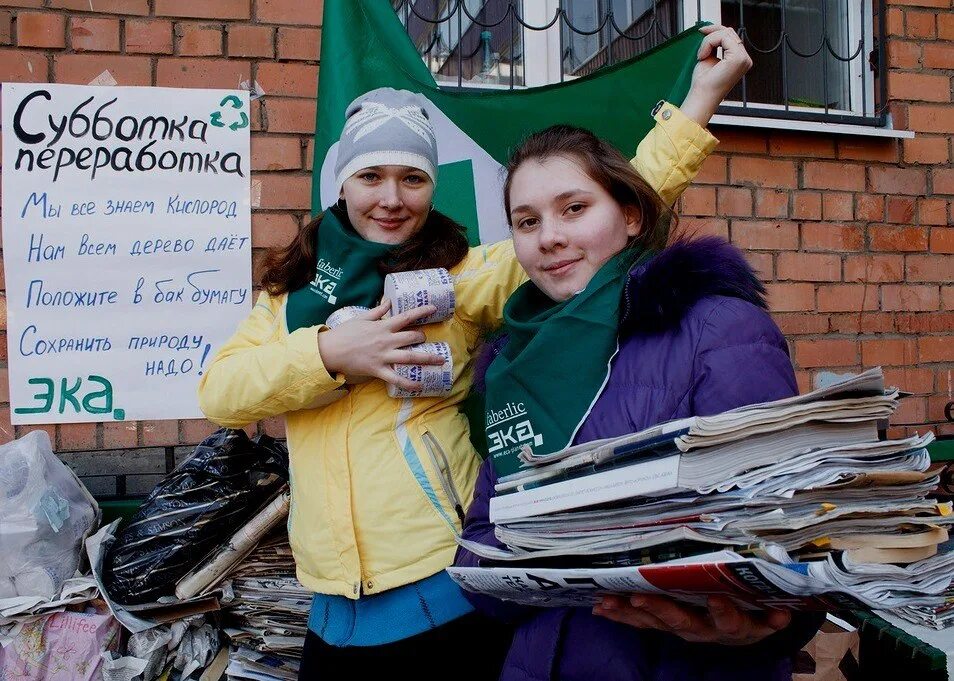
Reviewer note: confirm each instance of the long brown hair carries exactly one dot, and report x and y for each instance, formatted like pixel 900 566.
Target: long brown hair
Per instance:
pixel 607 167
pixel 441 242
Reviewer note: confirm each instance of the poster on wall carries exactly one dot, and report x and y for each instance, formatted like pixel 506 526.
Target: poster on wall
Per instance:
pixel 126 246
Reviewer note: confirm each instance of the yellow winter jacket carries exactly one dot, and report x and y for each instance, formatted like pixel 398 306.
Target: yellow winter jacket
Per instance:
pixel 371 508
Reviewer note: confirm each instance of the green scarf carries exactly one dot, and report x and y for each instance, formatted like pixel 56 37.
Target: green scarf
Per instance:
pixel 346 274
pixel 542 385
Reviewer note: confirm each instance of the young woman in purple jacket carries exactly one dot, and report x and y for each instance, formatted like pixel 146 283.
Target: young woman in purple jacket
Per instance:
pixel 684 330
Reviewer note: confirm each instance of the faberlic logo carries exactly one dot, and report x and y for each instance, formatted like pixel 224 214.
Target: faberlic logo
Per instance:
pixel 505 437
pixel 323 284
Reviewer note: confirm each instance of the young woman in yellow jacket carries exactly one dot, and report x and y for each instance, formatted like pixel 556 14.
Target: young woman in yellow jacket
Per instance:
pixel 379 484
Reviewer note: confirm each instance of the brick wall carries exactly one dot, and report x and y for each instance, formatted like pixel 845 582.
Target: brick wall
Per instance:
pixel 852 235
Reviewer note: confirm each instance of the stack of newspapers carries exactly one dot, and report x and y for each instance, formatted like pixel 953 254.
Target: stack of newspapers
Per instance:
pixel 794 502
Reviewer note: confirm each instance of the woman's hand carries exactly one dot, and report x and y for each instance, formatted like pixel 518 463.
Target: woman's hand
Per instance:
pixel 714 78
pixel 721 622
pixel 370 345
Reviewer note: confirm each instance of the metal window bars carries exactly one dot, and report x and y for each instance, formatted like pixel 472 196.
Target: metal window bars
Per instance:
pixel 816 60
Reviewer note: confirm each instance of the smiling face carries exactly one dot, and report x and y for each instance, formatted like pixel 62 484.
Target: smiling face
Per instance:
pixel 388 204
pixel 565 224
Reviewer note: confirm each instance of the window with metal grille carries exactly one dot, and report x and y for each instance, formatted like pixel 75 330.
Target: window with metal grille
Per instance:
pixel 818 60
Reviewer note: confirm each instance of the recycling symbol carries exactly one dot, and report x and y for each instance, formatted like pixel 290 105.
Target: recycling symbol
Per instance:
pixel 216 116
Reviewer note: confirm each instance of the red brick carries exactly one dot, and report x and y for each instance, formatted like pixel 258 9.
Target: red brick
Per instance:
pixel 693 227
pixel 49 429
pixel 930 268
pixel 773 235
pixel 938 56
pixel 945 25
pixel 862 322
pixel 947 297
pixel 204 73
pixel 6 28
pixel 24 3
pixel 868 149
pixel 889 351
pixel 714 171
pixel 82 68
pixel 937 407
pixel 888 180
pixel 919 87
pixel 76 436
pixel 931 118
pixel 826 353
pixel 743 141
pixel 801 144
pixel 120 435
pixel 890 238
pixel 273 230
pixel 942 240
pixel 205 9
pixel 911 410
pixel 762 172
pixel 874 268
pixel 199 40
pixel 289 12
pixel 303 44
pixel 41 29
pixel 806 205
pixel 149 36
pixel 827 175
pixel 273 152
pixel 904 55
pixel 291 79
pixel 908 298
pixel 280 190
pixel 808 267
pixel 921 3
pixel 847 297
pixel 932 211
pixel 762 264
pixel 23 66
pixel 943 180
pixel 135 7
pixel 798 297
pixel 251 41
pixel 291 115
pixel 7 431
pixel 869 207
pixel 910 379
pixel 797 324
pixel 309 156
pixel 804 381
pixel 735 202
pixel 838 206
pixel 900 209
pixel 894 21
pixel 831 237
pixel 699 201
pixel 160 433
pixel 770 203
pixel 926 149
pixel 936 348
pixel 933 322
pixel 195 431
pixel 920 24
pixel 94 34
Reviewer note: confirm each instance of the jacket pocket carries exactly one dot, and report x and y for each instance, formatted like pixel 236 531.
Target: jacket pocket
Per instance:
pixel 441 465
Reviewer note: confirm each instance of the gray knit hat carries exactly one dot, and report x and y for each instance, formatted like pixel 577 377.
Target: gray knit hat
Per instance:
pixel 386 127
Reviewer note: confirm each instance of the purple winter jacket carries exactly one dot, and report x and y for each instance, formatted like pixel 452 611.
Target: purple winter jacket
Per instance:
pixel 695 339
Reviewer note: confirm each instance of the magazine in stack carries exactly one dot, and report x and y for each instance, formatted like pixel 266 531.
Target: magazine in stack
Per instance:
pixel 792 503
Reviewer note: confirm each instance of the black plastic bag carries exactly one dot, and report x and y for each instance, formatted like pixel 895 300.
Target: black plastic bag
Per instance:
pixel 213 493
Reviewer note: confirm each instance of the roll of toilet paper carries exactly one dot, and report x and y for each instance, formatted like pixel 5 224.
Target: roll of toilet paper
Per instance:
pixel 345 314
pixel 436 380
pixel 417 288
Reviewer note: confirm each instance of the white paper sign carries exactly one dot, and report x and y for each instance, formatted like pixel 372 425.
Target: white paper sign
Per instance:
pixel 126 246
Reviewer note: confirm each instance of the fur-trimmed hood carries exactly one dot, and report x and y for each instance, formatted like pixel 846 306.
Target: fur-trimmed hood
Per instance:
pixel 662 290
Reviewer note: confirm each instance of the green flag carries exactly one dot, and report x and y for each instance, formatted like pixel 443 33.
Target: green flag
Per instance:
pixel 365 46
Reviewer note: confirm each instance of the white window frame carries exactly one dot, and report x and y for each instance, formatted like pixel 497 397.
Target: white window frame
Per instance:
pixel 542 65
